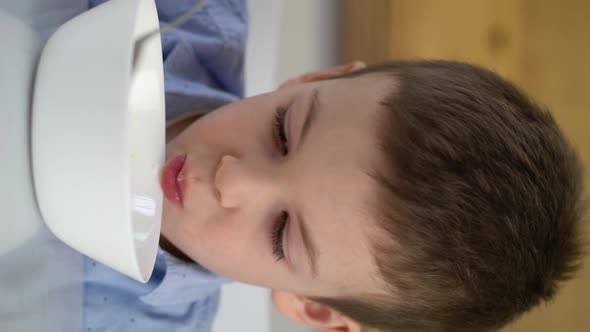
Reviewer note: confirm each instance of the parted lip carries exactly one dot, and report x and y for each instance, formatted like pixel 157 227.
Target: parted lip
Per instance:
pixel 173 180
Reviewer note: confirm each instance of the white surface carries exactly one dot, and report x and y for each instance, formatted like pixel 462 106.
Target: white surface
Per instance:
pixel 96 172
pixel 17 62
pixel 287 38
pixel 309 37
pixel 40 278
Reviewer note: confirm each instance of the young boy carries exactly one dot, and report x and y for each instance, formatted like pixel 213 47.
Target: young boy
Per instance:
pixel 427 196
pixel 411 196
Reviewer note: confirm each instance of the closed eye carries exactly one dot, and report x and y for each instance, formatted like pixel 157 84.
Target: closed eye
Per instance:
pixel 278 233
pixel 279 134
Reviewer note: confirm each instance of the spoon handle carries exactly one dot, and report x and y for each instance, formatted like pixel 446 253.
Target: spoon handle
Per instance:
pixel 181 19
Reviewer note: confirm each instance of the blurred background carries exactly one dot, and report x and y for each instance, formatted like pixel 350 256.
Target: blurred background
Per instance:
pixel 542 45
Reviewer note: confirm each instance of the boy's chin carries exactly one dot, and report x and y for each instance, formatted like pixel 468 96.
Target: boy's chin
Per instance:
pixel 167 218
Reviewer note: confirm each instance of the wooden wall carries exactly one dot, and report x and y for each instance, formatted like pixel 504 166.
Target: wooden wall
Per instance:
pixel 542 45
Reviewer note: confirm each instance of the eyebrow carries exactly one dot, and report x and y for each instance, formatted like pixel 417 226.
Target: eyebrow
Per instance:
pixel 310 116
pixel 310 247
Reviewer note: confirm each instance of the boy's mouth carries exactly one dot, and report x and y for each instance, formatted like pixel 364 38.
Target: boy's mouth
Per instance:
pixel 173 180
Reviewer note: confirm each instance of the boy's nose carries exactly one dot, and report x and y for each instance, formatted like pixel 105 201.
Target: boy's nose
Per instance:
pixel 238 182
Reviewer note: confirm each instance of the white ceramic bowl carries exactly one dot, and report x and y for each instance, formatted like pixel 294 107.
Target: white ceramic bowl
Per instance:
pixel 98 135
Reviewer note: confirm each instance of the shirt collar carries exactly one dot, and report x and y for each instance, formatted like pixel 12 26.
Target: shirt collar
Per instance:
pixel 178 282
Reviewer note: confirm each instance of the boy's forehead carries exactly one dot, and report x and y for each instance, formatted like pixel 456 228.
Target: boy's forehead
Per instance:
pixel 343 228
pixel 368 87
pixel 341 190
pixel 357 101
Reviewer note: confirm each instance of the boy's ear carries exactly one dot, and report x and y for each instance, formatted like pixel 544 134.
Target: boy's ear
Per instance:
pixel 324 74
pixel 312 314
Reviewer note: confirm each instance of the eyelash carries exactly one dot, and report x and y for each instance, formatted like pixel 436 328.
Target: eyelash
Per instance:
pixel 276 236
pixel 279 134
pixel 280 224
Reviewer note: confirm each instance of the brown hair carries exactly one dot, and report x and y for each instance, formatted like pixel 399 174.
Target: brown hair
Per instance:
pixel 478 201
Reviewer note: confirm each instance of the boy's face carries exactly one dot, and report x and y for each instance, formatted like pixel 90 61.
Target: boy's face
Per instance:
pixel 240 184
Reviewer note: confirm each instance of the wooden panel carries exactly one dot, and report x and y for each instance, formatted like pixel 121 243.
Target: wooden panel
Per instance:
pixel 542 45
pixel 485 32
pixel 556 71
pixel 365 29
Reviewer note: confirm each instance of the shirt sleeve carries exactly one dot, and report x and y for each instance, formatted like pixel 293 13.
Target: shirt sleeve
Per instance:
pixel 204 57
pixel 179 297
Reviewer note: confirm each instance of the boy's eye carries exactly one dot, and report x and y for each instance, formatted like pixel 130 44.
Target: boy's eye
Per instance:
pixel 279 134
pixel 277 236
